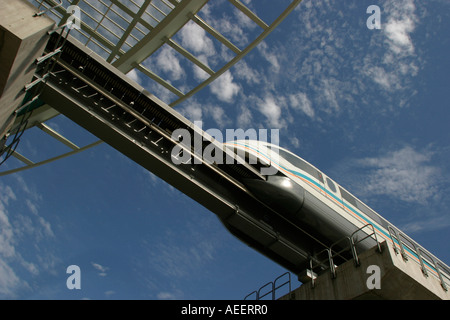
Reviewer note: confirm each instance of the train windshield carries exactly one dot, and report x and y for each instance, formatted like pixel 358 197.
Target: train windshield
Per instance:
pixel 298 162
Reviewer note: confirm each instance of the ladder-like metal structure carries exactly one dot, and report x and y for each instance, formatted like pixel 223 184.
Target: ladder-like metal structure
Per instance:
pixel 25 116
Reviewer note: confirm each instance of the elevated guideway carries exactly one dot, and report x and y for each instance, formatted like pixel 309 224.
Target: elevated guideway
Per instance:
pixel 128 34
pixel 105 102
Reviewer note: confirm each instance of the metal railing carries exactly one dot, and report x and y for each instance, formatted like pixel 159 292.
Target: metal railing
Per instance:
pixel 354 242
pixel 396 238
pixel 273 287
pixel 52 7
pixel 400 243
pixel 332 254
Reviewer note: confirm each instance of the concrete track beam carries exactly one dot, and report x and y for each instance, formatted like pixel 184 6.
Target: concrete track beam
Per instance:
pixel 398 280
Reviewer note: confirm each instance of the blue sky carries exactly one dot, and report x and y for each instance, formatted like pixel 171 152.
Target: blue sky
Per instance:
pixel 367 107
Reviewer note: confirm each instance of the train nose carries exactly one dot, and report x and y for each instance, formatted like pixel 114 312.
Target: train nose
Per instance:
pixel 279 193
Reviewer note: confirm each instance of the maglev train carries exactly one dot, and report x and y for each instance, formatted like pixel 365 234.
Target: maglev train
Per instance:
pixel 310 199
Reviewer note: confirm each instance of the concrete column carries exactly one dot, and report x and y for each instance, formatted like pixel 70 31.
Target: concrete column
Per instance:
pixel 22 39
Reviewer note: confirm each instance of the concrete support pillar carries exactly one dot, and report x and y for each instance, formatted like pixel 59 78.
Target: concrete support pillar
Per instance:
pixel 23 38
pixel 383 275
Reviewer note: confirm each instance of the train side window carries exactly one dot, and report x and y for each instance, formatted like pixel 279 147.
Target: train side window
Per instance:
pixel 320 176
pixel 299 163
pixel 331 185
pixel 372 214
pixel 365 209
pixel 347 197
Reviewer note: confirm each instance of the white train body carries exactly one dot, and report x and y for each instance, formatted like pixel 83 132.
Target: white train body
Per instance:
pixel 312 200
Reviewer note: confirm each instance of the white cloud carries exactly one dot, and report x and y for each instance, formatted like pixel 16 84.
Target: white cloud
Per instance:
pixel 7 242
pixel 398 34
pixel 244 118
pixel 219 115
pixel 9 281
pixel 159 91
pixel 294 141
pixel 199 73
pixel 233 30
pixel 174 260
pixel 406 183
pixel 133 75
pixel 337 69
pixel 169 63
pixel 399 25
pixel 428 224
pixel 300 101
pixel 109 293
pixel 272 110
pixel 192 111
pixel 166 296
pixel 102 269
pixel 10 237
pixel 234 26
pixel 387 80
pixel 271 57
pixel 404 174
pixel 398 63
pixel 250 75
pixel 194 38
pixel 330 93
pixel 224 87
pixel 244 20
pixel 46 227
pixel 177 256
